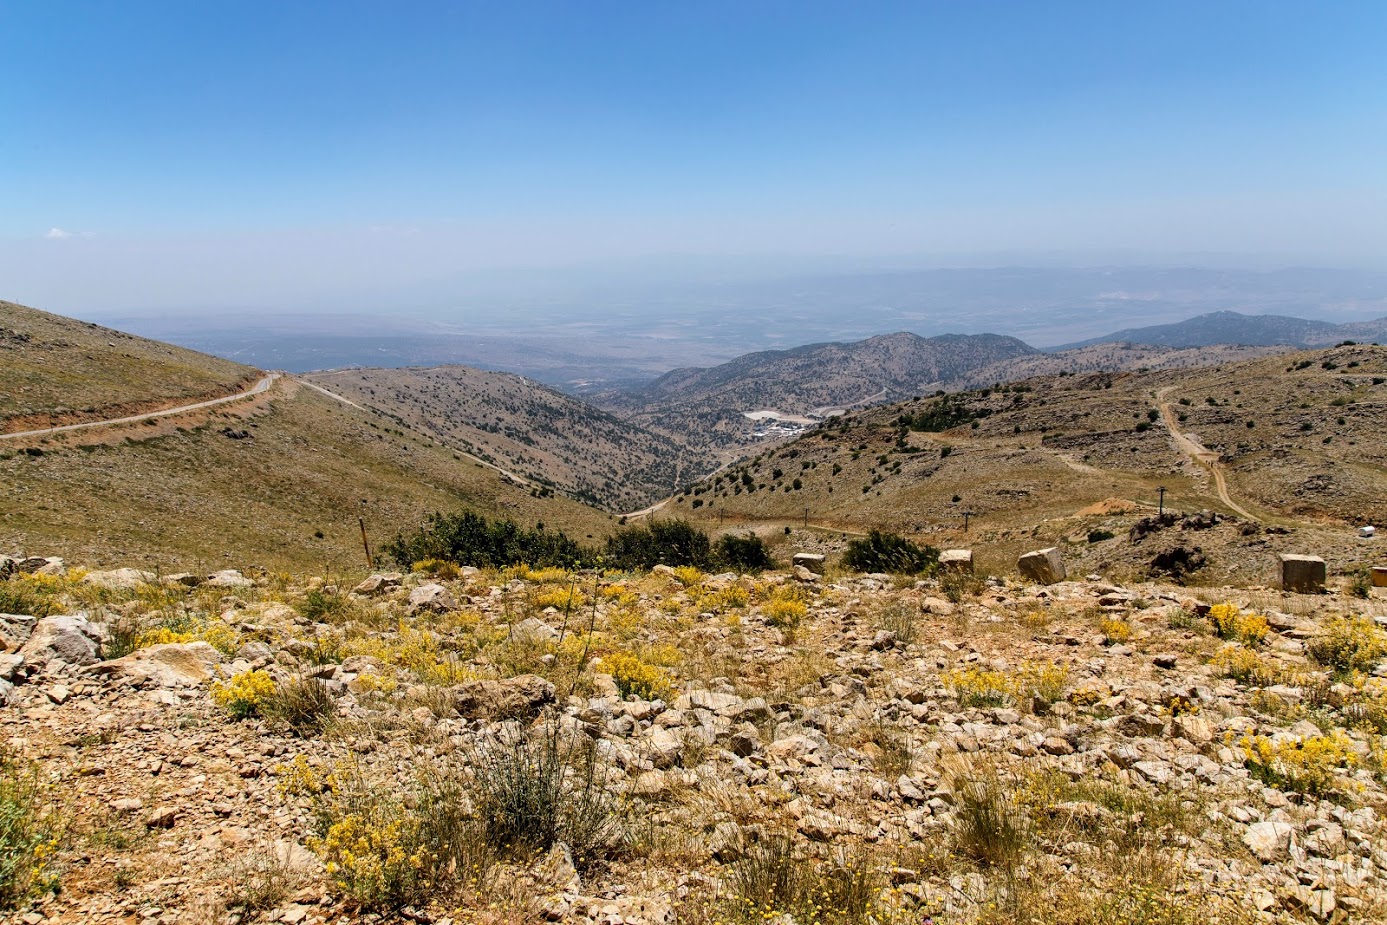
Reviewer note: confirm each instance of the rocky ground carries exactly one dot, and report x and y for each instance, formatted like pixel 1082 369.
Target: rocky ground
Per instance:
pixel 457 746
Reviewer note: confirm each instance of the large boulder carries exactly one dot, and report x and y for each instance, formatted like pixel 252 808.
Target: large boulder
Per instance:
pixel 121 579
pixel 1269 841
pixel 1304 574
pixel 811 560
pixel 66 638
pixel 173 664
pixel 520 697
pixel 956 560
pixel 1042 566
pixel 1379 575
pixel 15 630
pixel 432 597
pixel 229 578
pixel 380 583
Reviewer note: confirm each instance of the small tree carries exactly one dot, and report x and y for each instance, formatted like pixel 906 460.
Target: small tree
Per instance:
pixel 747 553
pixel 888 552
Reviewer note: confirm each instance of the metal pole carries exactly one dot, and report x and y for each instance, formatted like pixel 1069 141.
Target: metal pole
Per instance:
pixel 1160 511
pixel 966 515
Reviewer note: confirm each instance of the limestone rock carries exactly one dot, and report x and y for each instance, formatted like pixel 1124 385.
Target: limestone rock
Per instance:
pixel 813 561
pixel 169 665
pixel 956 560
pixel 514 698
pixel 1269 841
pixel 432 597
pixel 1303 574
pixel 1042 566
pixel 123 579
pixel 380 584
pixel 229 578
pixel 65 638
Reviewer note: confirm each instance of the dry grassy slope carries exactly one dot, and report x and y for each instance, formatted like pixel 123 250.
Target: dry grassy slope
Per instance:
pixel 1316 447
pixel 1106 357
pixel 710 402
pixel 1054 446
pixel 56 370
pixel 195 498
pixel 528 429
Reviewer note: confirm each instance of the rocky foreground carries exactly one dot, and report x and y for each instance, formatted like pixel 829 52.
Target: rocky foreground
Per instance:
pixel 457 746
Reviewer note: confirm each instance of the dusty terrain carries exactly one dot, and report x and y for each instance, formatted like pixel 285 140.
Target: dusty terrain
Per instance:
pixel 718 748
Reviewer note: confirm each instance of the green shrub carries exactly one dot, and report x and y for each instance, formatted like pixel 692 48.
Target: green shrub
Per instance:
pixel 662 542
pixel 471 539
pixel 746 553
pixel 318 604
pixel 888 552
pixel 1099 535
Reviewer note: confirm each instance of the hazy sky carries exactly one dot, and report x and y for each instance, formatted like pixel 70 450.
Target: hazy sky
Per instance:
pixel 281 153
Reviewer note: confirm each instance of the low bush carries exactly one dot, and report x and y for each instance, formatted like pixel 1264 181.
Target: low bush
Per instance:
pixel 244 694
pixel 633 675
pixel 662 542
pixel 27 596
pixel 990 826
pixel 1231 623
pixel 1311 765
pixel 471 539
pixel 28 833
pixel 1352 643
pixel 888 552
pixel 747 553
pixel 542 787
pixel 775 881
pixel 303 705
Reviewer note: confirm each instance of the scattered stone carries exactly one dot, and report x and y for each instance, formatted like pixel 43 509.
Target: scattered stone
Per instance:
pixel 380 584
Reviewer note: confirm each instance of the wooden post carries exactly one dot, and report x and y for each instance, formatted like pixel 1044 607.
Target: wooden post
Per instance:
pixel 364 543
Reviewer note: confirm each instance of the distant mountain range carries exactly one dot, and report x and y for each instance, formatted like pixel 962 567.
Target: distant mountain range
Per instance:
pixel 814 380
pixel 1229 327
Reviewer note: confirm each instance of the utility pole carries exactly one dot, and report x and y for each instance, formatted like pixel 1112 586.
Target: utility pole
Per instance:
pixel 806 518
pixel 966 515
pixel 1160 510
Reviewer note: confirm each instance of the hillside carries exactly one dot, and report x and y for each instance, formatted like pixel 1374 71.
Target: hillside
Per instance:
pixel 550 439
pixel 807 382
pixel 56 370
pixel 278 478
pixel 1297 439
pixel 1230 327
pixel 279 483
pixel 1104 357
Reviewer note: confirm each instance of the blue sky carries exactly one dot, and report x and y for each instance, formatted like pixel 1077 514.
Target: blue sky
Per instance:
pixel 478 135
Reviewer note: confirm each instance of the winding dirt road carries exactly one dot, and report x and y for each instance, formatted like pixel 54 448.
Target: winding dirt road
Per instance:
pixel 256 389
pixel 1200 454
